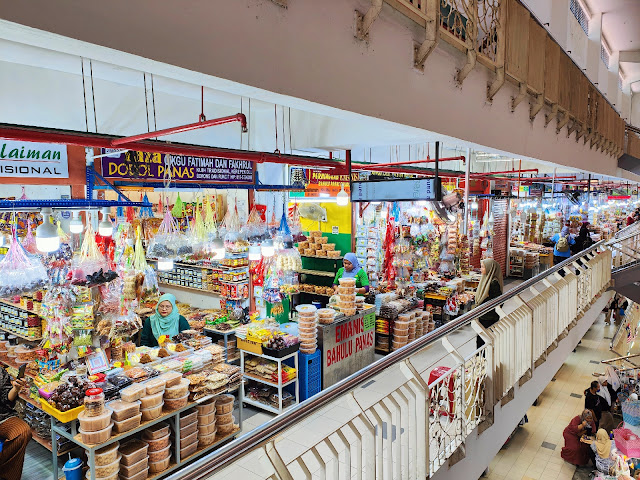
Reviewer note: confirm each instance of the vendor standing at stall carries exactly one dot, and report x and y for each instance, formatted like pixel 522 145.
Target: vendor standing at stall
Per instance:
pixel 352 269
pixel 166 321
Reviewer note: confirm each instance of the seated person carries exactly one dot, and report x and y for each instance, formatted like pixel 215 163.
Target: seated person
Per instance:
pixel 166 321
pixel 574 451
pixel 602 450
pixel 14 433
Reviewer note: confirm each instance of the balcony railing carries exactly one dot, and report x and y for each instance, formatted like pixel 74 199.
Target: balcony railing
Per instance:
pixel 408 413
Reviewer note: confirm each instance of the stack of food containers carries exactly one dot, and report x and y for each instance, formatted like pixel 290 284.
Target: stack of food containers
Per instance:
pixel 177 394
pixel 326 316
pixel 347 295
pixel 308 328
pixel 401 331
pixel 158 440
pixel 225 420
pixel 95 419
pixel 134 461
pixel 107 462
pixel 206 422
pixel 412 327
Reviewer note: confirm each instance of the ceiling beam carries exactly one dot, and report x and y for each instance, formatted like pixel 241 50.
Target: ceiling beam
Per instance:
pixel 631 56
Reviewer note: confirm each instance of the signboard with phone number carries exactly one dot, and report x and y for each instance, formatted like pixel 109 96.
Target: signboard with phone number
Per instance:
pixel 394 190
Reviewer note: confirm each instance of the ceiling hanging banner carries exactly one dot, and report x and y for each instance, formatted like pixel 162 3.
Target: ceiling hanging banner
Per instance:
pixel 33 160
pixel 145 166
pixel 318 183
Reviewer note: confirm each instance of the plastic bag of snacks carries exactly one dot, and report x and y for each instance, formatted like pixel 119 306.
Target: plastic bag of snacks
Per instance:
pixel 29 241
pixel 89 262
pixel 234 238
pixel 150 281
pixel 20 272
pixel 283 235
pixel 295 225
pixel 197 234
pixel 169 243
pixel 256 229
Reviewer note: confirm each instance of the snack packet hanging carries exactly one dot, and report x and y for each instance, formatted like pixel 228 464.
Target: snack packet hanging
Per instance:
pixel 256 228
pixel 90 265
pixel 20 272
pixel 283 236
pixel 169 243
pixel 295 225
pixel 234 239
pixel 29 241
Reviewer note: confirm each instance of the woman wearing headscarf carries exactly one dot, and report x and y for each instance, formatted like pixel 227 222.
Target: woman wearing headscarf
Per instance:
pixel 601 448
pixel 574 451
pixel 490 287
pixel 607 392
pixel 166 321
pixel 562 245
pixel 583 240
pixel 352 269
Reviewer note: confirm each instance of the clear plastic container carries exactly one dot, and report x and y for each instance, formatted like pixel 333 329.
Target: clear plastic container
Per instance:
pixel 141 475
pixel 94 402
pixel 95 423
pixel 189 417
pixel 224 399
pixel 226 407
pixel 123 410
pixel 94 438
pixel 206 407
pixel 132 451
pixel 151 401
pixel 226 428
pixel 171 378
pixel 155 385
pixel 224 418
pixel 189 439
pixel 188 450
pixel 206 429
pixel 207 419
pixel 152 413
pixel 110 477
pixel 177 391
pixel 159 430
pixel 128 424
pixel 208 439
pixel 161 466
pixel 137 467
pixel 106 455
pixel 108 470
pixel 188 429
pixel 175 403
pixel 156 444
pixel 161 454
pixel 133 392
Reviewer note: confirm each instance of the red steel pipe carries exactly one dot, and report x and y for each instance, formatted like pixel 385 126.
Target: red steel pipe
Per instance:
pixel 505 172
pixel 428 160
pixel 238 117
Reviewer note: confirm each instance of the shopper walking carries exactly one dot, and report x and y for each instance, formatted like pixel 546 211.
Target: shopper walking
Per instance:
pixel 620 309
pixel 562 245
pixel 583 240
pixel 490 287
pixel 14 433
pixel 166 321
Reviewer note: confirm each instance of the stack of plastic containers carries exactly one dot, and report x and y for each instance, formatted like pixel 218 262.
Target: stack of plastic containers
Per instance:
pixel 412 327
pixel 177 394
pixel 158 439
pixel 188 434
pixel 95 419
pixel 206 421
pixel 347 296
pixel 307 328
pixel 107 463
pixel 401 331
pixel 225 420
pixel 134 461
pixel 326 316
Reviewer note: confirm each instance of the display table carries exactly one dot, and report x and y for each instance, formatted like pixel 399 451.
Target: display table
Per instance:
pixel 347 345
pixel 172 417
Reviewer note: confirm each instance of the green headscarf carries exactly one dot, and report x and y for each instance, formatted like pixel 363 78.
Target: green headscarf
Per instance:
pixel 168 325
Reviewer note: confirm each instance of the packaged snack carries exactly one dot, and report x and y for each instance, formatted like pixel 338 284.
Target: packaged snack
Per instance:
pixel 177 391
pixel 150 401
pixel 208 429
pixel 133 392
pixel 136 468
pixel 156 444
pixel 189 417
pixel 95 423
pixel 159 466
pixel 107 455
pixel 159 430
pixel 103 471
pixel 141 475
pixel 188 430
pixel 188 450
pixel 127 424
pixel 159 455
pixel 123 410
pixel 132 451
pixel 175 403
pixel 155 385
pixel 206 407
pixel 19 271
pixel 189 439
pixel 94 438
pixel 152 413
pixel 207 418
pixel 171 378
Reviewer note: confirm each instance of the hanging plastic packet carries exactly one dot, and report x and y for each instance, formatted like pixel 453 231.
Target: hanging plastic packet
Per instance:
pixel 90 265
pixel 197 235
pixel 295 224
pixel 256 229
pixel 283 235
pixel 169 243
pixel 234 239
pixel 20 272
pixel 29 241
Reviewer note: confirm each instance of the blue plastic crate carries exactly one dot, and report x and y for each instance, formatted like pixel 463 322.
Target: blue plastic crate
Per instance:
pixel 309 374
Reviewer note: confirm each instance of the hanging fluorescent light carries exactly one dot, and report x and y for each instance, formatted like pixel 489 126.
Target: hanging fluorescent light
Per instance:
pixel 342 198
pixel 105 227
pixel 218 248
pixel 165 265
pixel 76 225
pixel 47 239
pixel 267 248
pixel 254 252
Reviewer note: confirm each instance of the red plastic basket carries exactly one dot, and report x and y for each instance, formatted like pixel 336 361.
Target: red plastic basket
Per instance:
pixel 627 442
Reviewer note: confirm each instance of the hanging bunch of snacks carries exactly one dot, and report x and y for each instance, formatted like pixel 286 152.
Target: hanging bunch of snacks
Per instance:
pixel 169 243
pixel 57 309
pixel 295 224
pixel 29 241
pixel 58 263
pixel 232 231
pixel 255 231
pixel 20 272
pixel 288 261
pixel 149 286
pixel 90 267
pixel 198 235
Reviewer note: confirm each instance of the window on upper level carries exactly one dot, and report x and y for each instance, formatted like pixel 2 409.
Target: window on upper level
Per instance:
pixel 604 53
pixel 579 12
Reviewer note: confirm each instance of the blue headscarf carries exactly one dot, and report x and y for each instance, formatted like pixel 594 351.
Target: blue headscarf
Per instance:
pixel 351 257
pixel 168 325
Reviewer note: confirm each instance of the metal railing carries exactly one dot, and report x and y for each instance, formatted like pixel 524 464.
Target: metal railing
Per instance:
pixel 415 407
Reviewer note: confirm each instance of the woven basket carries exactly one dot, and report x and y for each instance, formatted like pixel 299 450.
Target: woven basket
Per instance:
pixel 631 412
pixel 627 442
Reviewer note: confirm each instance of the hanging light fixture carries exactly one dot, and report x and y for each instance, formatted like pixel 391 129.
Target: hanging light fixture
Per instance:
pixel 47 239
pixel 165 264
pixel 254 252
pixel 76 225
pixel 218 248
pixel 105 227
pixel 342 198
pixel 267 248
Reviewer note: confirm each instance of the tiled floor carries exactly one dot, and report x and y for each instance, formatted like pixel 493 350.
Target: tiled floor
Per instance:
pixel 534 450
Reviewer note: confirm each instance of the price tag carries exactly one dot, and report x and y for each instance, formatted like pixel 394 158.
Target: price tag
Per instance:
pixel 369 321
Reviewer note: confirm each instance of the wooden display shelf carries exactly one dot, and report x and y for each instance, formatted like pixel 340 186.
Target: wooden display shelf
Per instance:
pixel 268 382
pixel 47 443
pixel 31 339
pixel 324 258
pixel 192 289
pixel 17 305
